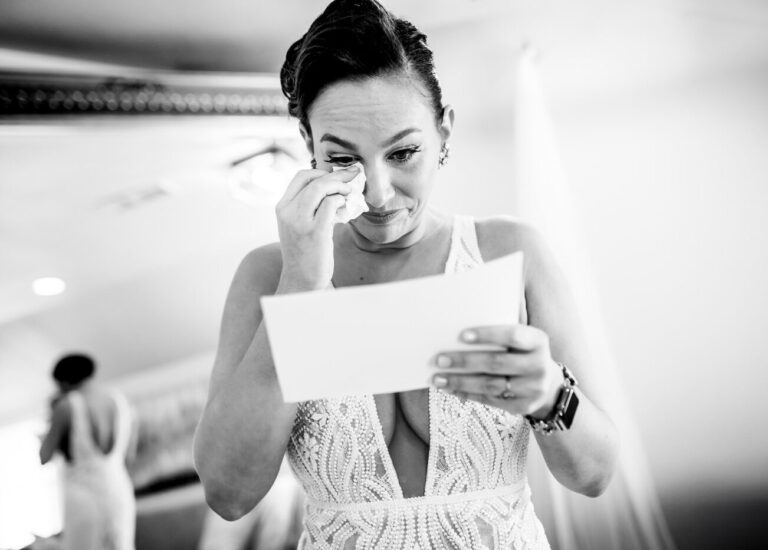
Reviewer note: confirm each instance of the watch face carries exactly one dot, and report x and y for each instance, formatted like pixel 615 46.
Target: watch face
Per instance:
pixel 570 410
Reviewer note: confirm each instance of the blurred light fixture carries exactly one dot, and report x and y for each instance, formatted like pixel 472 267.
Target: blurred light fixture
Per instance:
pixel 261 178
pixel 138 196
pixel 48 286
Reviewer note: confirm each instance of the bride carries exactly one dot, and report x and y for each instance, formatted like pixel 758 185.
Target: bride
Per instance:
pixel 442 467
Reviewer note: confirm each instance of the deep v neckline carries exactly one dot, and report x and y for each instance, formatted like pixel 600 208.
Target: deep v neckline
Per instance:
pixel 373 411
pixel 386 457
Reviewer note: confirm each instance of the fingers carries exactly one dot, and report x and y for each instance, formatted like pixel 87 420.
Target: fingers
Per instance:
pixel 478 384
pixel 304 177
pixel 309 187
pixel 309 200
pixel 490 390
pixel 513 337
pixel 500 362
pixel 326 212
pixel 299 181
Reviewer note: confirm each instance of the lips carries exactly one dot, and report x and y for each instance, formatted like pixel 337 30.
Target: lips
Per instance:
pixel 380 217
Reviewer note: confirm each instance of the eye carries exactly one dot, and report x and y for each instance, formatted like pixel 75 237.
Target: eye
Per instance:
pixel 404 155
pixel 341 161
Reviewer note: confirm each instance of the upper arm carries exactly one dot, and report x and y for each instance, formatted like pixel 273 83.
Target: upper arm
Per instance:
pixel 550 303
pixel 257 275
pixel 60 421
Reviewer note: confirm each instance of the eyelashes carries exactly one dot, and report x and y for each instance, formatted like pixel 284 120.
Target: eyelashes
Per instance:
pixel 404 155
pixel 340 161
pixel 401 156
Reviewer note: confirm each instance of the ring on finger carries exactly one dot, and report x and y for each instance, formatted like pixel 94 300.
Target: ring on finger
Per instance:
pixel 507 393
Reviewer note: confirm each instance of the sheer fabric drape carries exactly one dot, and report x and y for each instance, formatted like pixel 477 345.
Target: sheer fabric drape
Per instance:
pixel 628 516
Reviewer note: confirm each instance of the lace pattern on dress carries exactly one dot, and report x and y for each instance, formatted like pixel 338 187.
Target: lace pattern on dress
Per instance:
pixel 476 493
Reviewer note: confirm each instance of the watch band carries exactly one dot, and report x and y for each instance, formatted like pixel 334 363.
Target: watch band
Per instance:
pixel 561 416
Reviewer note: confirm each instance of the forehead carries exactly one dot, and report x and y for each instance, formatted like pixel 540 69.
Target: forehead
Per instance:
pixel 377 107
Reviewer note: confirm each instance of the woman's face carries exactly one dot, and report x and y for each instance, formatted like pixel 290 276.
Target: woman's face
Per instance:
pixel 387 124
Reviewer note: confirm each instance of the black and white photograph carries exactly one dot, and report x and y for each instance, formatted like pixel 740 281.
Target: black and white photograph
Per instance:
pixel 383 275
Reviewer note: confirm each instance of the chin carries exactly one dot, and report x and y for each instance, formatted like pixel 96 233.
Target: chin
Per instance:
pixel 381 234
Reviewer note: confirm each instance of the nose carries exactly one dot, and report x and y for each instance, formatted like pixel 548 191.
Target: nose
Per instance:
pixel 378 187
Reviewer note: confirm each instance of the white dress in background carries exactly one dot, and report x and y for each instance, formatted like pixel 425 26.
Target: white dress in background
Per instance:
pixel 99 504
pixel 476 493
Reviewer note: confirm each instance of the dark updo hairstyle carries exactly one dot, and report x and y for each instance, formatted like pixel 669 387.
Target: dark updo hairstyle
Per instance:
pixel 73 369
pixel 355 40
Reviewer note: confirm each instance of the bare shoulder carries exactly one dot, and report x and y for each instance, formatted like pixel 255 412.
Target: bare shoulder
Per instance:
pixel 502 235
pixel 257 275
pixel 259 270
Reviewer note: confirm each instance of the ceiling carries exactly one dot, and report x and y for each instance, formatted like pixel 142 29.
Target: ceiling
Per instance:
pixel 208 35
pixel 248 36
pixel 147 280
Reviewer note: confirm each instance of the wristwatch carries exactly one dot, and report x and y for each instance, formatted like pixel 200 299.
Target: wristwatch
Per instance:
pixel 562 414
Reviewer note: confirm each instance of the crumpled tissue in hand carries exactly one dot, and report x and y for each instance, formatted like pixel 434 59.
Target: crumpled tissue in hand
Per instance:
pixel 355 204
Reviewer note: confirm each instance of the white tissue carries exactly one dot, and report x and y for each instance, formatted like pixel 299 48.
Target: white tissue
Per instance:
pixel 354 203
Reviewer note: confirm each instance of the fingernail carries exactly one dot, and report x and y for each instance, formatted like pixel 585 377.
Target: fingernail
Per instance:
pixel 443 361
pixel 469 336
pixel 440 381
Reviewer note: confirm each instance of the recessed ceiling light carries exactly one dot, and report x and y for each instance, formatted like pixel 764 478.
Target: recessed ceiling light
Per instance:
pixel 48 286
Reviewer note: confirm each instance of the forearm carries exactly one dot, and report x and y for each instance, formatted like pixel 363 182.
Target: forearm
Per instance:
pixel 584 457
pixel 243 433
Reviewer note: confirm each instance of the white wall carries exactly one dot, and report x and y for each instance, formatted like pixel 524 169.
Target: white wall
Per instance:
pixel 675 198
pixel 672 183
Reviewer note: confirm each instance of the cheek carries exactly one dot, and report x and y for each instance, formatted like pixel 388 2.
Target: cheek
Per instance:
pixel 418 178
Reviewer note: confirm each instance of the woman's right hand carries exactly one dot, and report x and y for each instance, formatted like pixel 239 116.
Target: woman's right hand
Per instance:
pixel 305 220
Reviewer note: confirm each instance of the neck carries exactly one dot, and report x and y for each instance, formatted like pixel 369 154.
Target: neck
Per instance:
pixel 82 386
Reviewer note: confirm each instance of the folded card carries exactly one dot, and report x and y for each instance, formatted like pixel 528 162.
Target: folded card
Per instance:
pixel 383 338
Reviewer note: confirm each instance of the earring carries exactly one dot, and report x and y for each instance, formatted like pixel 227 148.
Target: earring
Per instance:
pixel 445 152
pixel 313 163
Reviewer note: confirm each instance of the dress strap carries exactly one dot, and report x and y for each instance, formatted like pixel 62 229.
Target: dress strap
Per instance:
pixel 465 251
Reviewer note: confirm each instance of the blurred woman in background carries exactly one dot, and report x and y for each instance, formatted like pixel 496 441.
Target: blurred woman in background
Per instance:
pixel 91 427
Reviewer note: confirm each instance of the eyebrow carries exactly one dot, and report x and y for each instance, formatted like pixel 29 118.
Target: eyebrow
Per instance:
pixel 348 145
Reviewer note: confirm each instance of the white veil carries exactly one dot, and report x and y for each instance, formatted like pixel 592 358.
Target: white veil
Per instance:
pixel 628 515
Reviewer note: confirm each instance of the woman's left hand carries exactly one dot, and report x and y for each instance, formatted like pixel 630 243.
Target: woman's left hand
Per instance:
pixel 521 377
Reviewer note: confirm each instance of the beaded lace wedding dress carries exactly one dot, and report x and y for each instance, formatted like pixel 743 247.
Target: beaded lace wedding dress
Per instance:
pixel 476 494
